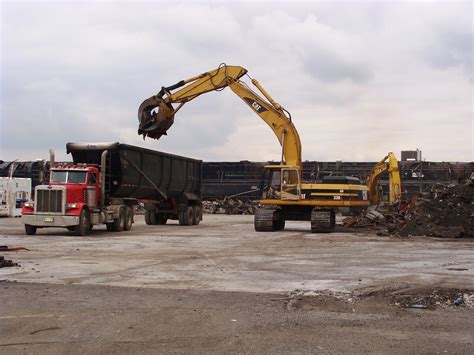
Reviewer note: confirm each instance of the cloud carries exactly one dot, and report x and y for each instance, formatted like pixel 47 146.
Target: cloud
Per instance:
pixel 359 79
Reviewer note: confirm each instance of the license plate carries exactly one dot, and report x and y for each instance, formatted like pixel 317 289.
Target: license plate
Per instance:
pixel 49 219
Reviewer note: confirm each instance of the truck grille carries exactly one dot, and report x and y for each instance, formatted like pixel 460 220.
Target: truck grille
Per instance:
pixel 49 200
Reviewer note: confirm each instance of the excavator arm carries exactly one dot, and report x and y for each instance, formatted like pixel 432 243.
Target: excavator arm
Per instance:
pixel 394 180
pixel 156 114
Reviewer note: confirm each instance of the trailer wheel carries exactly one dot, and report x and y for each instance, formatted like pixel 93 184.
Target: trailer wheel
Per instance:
pixel 190 216
pixel 196 215
pixel 128 219
pixel 181 215
pixel 30 230
pixel 119 222
pixel 84 221
pixel 186 217
pixel 150 217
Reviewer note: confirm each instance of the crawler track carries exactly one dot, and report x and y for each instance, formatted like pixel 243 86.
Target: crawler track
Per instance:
pixel 322 221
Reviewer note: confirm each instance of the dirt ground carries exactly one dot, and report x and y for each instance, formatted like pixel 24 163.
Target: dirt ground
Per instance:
pixel 221 287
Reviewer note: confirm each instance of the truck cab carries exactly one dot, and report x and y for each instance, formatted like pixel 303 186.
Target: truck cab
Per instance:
pixel 81 184
pixel 74 199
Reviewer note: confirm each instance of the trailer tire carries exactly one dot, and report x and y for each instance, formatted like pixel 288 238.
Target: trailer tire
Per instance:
pixel 181 218
pixel 84 221
pixel 196 215
pixel 190 216
pixel 110 227
pixel 186 217
pixel 128 219
pixel 119 222
pixel 150 217
pixel 30 230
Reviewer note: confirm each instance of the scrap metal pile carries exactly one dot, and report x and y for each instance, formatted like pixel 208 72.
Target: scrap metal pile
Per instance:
pixel 6 263
pixel 447 212
pixel 230 206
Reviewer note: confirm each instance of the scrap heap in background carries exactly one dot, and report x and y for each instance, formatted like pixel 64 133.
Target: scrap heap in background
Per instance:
pixel 445 212
pixel 448 214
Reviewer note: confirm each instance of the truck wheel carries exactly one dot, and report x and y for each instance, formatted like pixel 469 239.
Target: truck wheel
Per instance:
pixel 110 227
pixel 190 216
pixel 181 217
pixel 120 221
pixel 128 219
pixel 82 227
pixel 196 215
pixel 150 217
pixel 30 230
pixel 186 217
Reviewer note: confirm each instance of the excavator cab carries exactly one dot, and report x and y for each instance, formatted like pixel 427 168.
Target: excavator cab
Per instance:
pixel 282 183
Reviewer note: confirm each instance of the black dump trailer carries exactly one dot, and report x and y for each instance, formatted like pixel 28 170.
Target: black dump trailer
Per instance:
pixel 168 185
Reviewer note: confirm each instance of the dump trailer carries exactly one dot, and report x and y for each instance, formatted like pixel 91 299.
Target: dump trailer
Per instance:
pixel 105 182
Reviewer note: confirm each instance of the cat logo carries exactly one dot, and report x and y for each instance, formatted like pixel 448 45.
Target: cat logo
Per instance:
pixel 255 105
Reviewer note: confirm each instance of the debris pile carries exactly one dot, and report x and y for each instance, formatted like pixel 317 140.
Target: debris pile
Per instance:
pixel 445 212
pixel 372 219
pixel 230 206
pixel 6 263
pixel 410 296
pixel 449 214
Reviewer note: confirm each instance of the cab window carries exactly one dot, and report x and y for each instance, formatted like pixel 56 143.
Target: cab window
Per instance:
pixel 275 179
pixel 289 177
pixel 92 179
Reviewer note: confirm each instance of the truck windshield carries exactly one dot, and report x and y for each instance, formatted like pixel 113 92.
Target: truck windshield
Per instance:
pixel 68 177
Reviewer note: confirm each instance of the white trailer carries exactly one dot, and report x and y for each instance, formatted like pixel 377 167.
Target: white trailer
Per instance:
pixel 13 193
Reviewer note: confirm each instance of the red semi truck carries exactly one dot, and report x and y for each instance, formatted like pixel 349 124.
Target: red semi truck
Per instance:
pixel 104 183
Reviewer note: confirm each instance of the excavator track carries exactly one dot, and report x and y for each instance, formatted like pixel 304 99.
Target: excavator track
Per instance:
pixel 268 220
pixel 323 221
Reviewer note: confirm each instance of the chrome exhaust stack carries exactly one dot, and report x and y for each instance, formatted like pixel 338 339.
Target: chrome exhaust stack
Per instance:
pixel 51 158
pixel 103 164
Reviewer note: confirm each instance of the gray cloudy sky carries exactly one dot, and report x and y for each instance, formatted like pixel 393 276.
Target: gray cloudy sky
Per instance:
pixel 360 78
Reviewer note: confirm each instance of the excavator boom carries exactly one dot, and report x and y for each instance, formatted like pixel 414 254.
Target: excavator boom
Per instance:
pixel 394 180
pixel 156 114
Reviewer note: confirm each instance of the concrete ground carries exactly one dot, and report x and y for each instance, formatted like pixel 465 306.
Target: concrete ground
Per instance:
pixel 222 287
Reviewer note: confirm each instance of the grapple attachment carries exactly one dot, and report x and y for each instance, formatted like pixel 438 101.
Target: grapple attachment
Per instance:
pixel 155 117
pixel 156 114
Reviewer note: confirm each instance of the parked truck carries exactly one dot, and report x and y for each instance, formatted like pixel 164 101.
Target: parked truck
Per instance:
pixel 107 180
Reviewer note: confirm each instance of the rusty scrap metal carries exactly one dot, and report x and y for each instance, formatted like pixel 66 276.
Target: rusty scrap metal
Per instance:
pixel 4 248
pixel 446 212
pixel 230 206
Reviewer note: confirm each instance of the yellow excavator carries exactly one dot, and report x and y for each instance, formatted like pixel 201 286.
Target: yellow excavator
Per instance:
pixel 285 196
pixel 395 190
